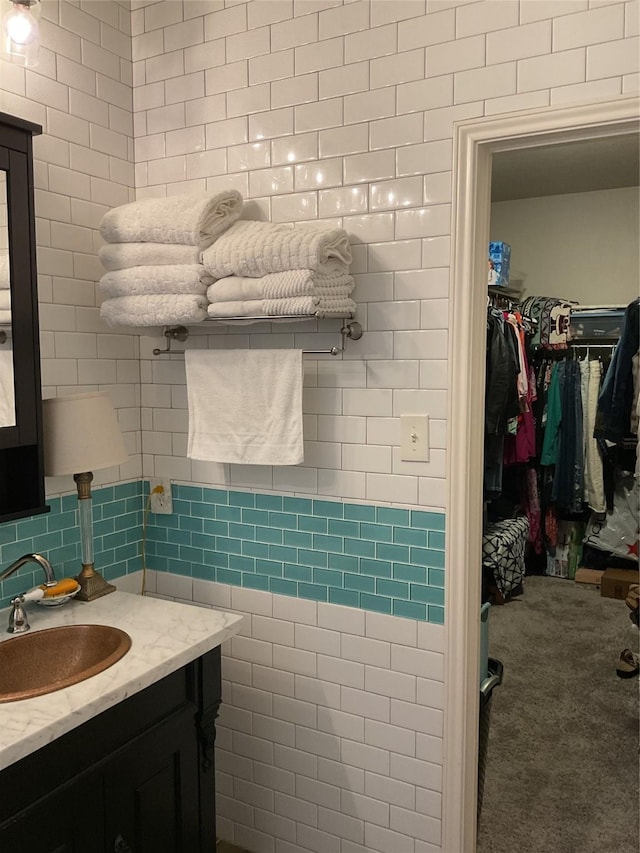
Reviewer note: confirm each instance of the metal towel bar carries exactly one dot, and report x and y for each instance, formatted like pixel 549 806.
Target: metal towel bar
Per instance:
pixel 352 330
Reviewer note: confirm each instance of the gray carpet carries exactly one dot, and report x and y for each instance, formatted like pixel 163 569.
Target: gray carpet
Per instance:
pixel 562 763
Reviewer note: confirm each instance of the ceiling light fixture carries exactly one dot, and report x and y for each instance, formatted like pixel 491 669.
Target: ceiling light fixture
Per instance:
pixel 21 31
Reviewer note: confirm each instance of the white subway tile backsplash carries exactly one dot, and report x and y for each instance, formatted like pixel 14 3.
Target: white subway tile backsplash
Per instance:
pixel 608 87
pixel 458 55
pixel 317 57
pixel 631 19
pixel 491 82
pixel 536 10
pixel 231 75
pixel 397 68
pixel 373 43
pixel 377 227
pixel 344 140
pixel 242 102
pixel 556 69
pixel 294 90
pixel 310 176
pixel 436 27
pixel 424 158
pixel 610 58
pixel 365 106
pixel 338 202
pixel 485 17
pixel 583 28
pixel 317 116
pixel 401 254
pixel 395 132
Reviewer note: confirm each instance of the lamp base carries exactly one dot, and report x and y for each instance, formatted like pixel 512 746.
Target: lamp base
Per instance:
pixel 92 585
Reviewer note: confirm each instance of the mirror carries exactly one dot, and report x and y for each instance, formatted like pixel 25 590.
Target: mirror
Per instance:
pixel 7 388
pixel 21 454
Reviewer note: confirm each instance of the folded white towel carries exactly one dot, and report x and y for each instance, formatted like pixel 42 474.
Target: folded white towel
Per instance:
pixel 192 219
pixel 120 256
pixel 256 248
pixel 137 281
pixel 5 300
pixel 312 306
pixel 278 285
pixel 154 310
pixel 5 315
pixel 245 406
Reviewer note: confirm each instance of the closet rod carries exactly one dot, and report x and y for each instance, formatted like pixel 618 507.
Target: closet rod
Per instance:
pixel 352 330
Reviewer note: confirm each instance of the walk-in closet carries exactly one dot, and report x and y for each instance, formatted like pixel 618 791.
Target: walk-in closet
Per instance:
pixel 560 517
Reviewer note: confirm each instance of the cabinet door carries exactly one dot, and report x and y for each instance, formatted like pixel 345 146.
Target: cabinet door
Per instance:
pixel 70 820
pixel 151 791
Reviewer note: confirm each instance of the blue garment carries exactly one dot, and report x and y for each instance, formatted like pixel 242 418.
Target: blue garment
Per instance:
pixel 613 417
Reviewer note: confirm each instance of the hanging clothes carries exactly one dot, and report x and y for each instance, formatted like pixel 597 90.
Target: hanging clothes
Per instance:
pixel 593 476
pixel 501 397
pixel 568 484
pixel 613 417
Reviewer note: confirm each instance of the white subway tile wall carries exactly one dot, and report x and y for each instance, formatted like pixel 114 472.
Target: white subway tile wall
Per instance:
pixel 330 736
pixel 81 94
pixel 342 113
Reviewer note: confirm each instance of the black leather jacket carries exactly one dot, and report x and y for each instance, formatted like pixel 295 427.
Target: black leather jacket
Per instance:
pixel 501 392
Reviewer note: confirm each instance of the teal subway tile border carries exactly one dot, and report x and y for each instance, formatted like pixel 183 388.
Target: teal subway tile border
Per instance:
pixel 117 533
pixel 379 558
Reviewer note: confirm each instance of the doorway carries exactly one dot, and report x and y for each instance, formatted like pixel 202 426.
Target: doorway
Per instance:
pixel 475 143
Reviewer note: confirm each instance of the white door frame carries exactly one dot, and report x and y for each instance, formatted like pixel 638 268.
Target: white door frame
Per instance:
pixel 474 144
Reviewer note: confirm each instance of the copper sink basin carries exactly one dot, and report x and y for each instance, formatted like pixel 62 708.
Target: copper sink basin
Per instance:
pixel 48 660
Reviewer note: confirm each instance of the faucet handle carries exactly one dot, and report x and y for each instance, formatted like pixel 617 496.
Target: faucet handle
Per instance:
pixel 18 623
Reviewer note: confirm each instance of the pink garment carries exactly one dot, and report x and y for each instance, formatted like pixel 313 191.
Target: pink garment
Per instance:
pixel 522 446
pixel 531 506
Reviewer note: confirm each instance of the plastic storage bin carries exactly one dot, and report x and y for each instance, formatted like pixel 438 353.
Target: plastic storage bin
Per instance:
pixel 484 641
pixel 486 694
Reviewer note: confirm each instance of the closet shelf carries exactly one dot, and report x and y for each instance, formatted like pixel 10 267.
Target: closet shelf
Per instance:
pixel 350 329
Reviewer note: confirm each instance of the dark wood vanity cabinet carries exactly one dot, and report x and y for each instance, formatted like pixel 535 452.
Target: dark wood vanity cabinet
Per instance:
pixel 139 778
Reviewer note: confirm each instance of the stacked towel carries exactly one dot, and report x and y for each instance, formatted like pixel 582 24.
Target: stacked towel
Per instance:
pixel 153 257
pixel 191 220
pixel 257 248
pixel 268 270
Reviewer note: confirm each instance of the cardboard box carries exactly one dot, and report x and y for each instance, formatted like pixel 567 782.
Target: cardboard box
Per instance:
pixel 615 583
pixel 590 576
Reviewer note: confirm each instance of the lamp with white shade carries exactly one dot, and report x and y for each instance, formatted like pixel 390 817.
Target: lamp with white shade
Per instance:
pixel 81 435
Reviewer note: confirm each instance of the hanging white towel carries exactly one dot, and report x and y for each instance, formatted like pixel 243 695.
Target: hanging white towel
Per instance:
pixel 251 248
pixel 167 278
pixel 192 219
pixel 120 256
pixel 245 406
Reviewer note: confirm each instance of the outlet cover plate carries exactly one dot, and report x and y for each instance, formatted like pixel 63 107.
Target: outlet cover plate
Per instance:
pixel 414 438
pixel 161 502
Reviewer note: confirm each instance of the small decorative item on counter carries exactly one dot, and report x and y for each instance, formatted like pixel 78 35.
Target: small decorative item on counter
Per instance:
pixel 499 261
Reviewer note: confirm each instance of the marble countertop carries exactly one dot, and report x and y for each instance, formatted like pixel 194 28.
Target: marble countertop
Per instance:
pixel 165 636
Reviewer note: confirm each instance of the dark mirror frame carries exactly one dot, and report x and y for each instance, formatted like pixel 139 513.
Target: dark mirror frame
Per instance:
pixel 21 454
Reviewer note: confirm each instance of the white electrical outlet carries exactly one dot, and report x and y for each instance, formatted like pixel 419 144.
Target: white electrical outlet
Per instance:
pixel 161 501
pixel 414 439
